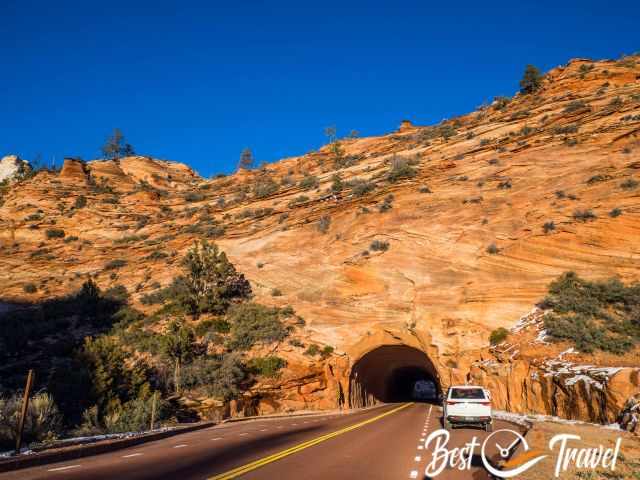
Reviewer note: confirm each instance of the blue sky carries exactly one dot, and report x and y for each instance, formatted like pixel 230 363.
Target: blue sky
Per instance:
pixel 198 81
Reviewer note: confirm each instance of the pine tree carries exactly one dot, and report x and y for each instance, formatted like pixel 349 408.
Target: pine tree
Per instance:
pixel 116 146
pixel 210 281
pixel 531 80
pixel 246 159
pixel 179 345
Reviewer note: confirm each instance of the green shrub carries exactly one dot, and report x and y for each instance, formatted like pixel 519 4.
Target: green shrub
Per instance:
pixel 493 249
pixel 387 204
pixel 379 246
pixel 267 366
pixel 134 415
pixel 118 293
pixel 337 184
pixel 585 68
pixel 217 325
pixel 564 130
pixel 34 217
pixel 253 323
pixel 616 212
pixel 499 335
pixel 115 264
pixel 326 351
pixel 584 215
pixel 55 233
pixel 156 255
pixel 616 102
pixel 254 213
pixel 400 169
pixel 629 184
pixel 265 187
pixel 575 105
pixel 312 350
pixel 298 200
pixel 218 376
pixel 598 178
pixel 81 202
pixel 360 187
pixel 276 292
pixel 446 131
pixel 113 379
pixel 194 197
pixel 309 182
pixel 43 421
pixel 30 288
pixel 130 239
pixel 600 315
pixel 549 227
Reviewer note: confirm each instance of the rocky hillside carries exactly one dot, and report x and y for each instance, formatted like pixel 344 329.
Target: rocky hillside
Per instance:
pixel 437 233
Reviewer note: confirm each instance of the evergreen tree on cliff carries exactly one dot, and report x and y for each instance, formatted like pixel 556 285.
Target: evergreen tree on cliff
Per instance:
pixel 246 159
pixel 531 80
pixel 116 147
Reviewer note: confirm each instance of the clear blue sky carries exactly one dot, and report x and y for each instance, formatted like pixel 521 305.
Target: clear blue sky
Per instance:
pixel 198 81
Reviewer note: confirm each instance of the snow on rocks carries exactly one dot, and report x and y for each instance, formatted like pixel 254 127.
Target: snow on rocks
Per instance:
pixel 523 419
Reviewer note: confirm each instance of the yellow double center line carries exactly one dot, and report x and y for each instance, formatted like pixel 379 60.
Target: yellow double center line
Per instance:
pixel 236 472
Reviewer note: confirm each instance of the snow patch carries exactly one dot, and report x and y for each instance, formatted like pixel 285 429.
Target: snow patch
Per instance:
pixel 523 419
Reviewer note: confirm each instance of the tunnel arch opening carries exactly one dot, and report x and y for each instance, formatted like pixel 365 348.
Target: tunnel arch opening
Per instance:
pixel 393 373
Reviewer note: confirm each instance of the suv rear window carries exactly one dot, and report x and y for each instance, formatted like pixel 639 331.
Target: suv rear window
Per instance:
pixel 467 394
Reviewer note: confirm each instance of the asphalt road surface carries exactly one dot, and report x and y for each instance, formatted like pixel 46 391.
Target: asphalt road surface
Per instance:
pixel 385 442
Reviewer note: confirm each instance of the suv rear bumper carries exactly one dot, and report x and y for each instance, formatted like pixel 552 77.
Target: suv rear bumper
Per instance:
pixel 470 420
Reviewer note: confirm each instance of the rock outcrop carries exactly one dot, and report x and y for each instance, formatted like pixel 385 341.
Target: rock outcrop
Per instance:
pixel 74 171
pixel 12 166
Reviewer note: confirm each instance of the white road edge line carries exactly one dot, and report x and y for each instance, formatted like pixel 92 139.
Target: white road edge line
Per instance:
pixel 180 446
pixel 67 467
pixel 217 438
pixel 132 455
pixel 242 434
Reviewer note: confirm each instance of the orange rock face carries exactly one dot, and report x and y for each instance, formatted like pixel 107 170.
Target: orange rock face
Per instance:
pixel 434 230
pixel 73 171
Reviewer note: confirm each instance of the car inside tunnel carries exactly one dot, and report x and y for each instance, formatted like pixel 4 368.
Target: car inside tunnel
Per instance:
pixel 393 373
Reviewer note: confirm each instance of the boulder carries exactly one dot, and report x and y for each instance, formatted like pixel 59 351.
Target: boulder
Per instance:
pixel 12 166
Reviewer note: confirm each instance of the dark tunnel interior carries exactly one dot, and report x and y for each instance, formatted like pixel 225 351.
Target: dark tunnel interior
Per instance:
pixel 393 373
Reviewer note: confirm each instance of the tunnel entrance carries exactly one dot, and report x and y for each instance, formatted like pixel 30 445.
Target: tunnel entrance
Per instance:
pixel 393 373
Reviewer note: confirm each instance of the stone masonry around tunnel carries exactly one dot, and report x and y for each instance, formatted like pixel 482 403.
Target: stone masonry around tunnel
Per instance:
pixel 392 373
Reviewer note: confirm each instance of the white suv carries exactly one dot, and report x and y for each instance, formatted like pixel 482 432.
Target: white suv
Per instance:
pixel 467 405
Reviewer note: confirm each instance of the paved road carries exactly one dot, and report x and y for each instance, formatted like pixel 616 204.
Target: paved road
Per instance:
pixel 380 443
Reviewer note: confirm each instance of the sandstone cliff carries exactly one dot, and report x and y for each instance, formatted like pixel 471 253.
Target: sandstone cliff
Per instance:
pixel 429 236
